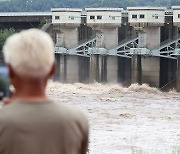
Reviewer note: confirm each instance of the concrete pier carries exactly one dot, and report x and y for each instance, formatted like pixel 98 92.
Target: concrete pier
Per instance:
pixel 98 68
pixel 151 71
pixel 105 22
pixel 104 68
pixel 67 37
pixel 61 68
pixel 57 72
pixel 112 69
pixel 106 37
pixel 149 37
pixel 178 75
pixel 147 22
pixel 136 72
pixel 65 23
pixel 72 69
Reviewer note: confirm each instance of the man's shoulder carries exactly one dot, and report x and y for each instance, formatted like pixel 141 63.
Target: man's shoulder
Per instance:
pixel 57 109
pixel 5 109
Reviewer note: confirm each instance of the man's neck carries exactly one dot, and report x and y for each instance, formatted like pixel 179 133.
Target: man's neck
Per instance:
pixel 32 91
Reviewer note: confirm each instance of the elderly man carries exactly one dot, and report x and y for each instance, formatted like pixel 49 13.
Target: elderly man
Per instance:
pixel 31 123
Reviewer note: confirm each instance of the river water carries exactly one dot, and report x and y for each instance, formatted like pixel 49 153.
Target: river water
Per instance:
pixel 134 120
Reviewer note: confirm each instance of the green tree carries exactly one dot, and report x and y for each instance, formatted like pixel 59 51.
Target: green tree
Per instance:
pixel 42 22
pixel 175 2
pixel 46 5
pixel 4 34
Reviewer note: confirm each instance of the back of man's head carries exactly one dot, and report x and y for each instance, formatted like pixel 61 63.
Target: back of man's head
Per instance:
pixel 29 53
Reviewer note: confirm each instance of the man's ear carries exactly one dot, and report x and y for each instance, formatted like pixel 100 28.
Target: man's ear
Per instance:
pixel 11 71
pixel 53 69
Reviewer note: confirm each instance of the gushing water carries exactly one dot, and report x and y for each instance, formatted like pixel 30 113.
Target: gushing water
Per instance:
pixel 138 119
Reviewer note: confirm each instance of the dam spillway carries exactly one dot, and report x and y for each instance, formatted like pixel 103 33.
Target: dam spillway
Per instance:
pixel 126 47
pixel 110 45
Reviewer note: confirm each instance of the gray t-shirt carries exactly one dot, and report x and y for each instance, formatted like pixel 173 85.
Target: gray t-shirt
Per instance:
pixel 42 128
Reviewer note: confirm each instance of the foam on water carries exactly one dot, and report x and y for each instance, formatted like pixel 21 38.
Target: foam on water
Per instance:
pixel 137 119
pixel 99 87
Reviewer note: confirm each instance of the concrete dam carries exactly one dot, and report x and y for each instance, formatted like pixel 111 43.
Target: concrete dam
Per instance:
pixel 112 45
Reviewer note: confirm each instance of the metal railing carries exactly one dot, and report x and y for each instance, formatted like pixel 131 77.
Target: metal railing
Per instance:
pixel 167 41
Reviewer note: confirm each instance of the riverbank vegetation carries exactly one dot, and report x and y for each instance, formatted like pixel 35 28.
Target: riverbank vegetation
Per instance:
pixel 46 5
pixel 4 34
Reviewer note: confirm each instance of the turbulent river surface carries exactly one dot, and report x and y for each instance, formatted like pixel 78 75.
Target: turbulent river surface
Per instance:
pixel 134 120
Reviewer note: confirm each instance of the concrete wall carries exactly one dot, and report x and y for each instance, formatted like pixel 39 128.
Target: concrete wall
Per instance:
pixel 67 37
pixel 99 39
pixel 107 38
pixel 178 75
pixel 127 81
pixel 93 68
pixel 72 69
pixel 149 37
pixel 98 68
pixel 151 71
pixel 61 68
pixel 110 38
pixel 136 69
pixel 56 76
pixel 112 69
pixel 101 68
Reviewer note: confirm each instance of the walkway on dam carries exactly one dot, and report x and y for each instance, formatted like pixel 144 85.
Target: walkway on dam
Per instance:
pixel 126 48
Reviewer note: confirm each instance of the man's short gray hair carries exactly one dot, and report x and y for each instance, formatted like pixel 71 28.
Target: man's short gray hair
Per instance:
pixel 30 53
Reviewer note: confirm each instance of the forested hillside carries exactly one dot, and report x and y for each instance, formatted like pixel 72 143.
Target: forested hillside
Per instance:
pixel 46 5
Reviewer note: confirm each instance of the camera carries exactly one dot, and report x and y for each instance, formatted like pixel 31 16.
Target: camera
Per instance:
pixel 4 82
